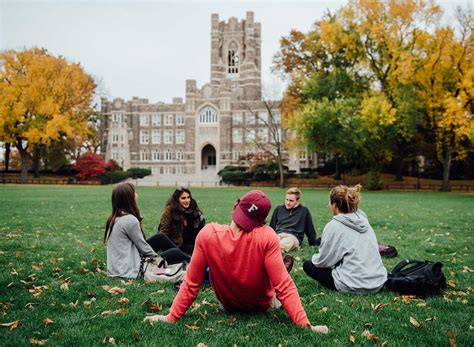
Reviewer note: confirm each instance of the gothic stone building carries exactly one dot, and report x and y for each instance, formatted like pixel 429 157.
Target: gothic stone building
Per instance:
pixel 215 124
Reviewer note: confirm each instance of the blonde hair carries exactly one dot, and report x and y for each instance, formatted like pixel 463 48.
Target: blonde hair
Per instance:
pixel 346 199
pixel 294 191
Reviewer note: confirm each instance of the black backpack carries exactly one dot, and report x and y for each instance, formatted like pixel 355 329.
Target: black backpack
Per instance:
pixel 414 277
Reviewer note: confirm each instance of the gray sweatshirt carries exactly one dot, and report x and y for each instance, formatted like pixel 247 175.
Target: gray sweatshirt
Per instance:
pixel 349 245
pixel 124 246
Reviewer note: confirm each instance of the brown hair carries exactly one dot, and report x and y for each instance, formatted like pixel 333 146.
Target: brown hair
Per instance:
pixel 123 202
pixel 294 191
pixel 346 199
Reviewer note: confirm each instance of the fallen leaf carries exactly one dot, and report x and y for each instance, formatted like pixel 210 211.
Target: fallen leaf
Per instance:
pixel 406 299
pixel 421 304
pixel 352 339
pixel 452 283
pixel 107 312
pixel 414 322
pixel 109 339
pixel 94 261
pixel 84 271
pixel 18 254
pixel 38 342
pixel 11 325
pixel 323 310
pixel 105 287
pixel 91 293
pixel 322 329
pixel 467 269
pixel 152 306
pixel 74 304
pixel 116 290
pixel 377 308
pixel 47 321
pixel 123 301
pixel 121 311
pixel 200 344
pixel 87 303
pixel 192 327
pixel 210 330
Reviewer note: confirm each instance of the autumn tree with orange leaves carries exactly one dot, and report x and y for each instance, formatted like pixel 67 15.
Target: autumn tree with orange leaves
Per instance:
pixel 43 99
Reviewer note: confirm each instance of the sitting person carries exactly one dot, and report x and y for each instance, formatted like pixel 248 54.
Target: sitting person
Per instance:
pixel 124 234
pixel 180 223
pixel 245 266
pixel 292 221
pixel 348 258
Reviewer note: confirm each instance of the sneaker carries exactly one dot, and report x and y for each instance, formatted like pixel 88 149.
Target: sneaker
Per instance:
pixel 288 261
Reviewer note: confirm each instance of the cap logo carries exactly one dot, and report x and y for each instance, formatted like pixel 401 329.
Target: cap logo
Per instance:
pixel 252 208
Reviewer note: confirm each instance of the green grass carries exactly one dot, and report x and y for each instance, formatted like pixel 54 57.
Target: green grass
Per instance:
pixel 48 234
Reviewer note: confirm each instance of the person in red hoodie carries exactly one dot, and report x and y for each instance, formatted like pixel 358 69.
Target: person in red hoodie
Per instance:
pixel 245 266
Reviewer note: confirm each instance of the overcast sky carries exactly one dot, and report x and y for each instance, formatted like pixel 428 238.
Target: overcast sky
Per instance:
pixel 149 48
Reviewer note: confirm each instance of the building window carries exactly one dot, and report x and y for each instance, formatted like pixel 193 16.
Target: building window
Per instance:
pixel 155 137
pixel 236 156
pixel 143 120
pixel 144 137
pixel 155 170
pixel 237 118
pixel 180 119
pixel 250 118
pixel 263 135
pixel 168 170
pixel 143 155
pixel 169 119
pixel 233 59
pixel 179 169
pixel 115 136
pixel 250 135
pixel 168 137
pixel 168 155
pixel 263 117
pixel 115 155
pixel 179 155
pixel 276 117
pixel 180 136
pixel 303 155
pixel 117 117
pixel 237 135
pixel 208 116
pixel 156 155
pixel 156 120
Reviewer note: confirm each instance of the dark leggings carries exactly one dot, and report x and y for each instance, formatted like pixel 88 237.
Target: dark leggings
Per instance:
pixel 322 275
pixel 167 249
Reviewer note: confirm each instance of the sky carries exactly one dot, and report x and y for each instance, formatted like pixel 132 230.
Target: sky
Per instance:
pixel 149 48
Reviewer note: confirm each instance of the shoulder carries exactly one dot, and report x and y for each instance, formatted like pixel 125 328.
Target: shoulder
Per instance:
pixel 127 220
pixel 278 208
pixel 265 233
pixel 304 209
pixel 333 227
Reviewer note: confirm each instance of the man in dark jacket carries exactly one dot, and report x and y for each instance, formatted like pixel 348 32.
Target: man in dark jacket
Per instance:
pixel 292 221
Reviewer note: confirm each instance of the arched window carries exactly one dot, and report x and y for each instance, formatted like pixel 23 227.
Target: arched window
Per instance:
pixel 233 59
pixel 208 116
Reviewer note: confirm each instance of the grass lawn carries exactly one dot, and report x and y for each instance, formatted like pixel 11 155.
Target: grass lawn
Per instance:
pixel 53 263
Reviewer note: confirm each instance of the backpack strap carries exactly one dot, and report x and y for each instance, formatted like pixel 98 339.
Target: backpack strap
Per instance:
pixel 401 265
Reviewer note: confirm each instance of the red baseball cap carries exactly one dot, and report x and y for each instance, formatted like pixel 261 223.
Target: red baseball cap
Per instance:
pixel 252 210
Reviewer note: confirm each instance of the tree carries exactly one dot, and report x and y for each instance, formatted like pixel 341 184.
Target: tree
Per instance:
pixel 43 99
pixel 446 78
pixel 89 166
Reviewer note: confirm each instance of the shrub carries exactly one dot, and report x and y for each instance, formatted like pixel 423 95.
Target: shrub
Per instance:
pixel 136 172
pixel 89 166
pixel 236 177
pixel 111 177
pixel 112 165
pixel 373 181
pixel 233 168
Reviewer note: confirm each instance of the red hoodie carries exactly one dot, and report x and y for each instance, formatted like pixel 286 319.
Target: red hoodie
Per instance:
pixel 246 271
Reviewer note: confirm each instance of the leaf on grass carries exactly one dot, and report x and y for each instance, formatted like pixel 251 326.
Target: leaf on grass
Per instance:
pixel 200 344
pixel 452 283
pixel 123 300
pixel 116 290
pixel 121 311
pixel 209 330
pixel 109 339
pixel 29 305
pixel 87 303
pixel 65 284
pixel 84 271
pixel 91 293
pixel 421 304
pixel 406 299
pixel 107 312
pixel 323 310
pixel 152 306
pixel 352 339
pixel 48 321
pixel 11 325
pixel 37 290
pixel 56 260
pixel 18 254
pixel 377 308
pixel 275 316
pixel 452 341
pixel 38 342
pixel 74 304
pixel 370 336
pixel 192 327
pixel 321 329
pixel 10 284
pixel 414 322
pixel 467 269
pixel 105 287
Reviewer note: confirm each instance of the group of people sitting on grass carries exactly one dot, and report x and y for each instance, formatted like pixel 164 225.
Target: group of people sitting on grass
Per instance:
pixel 244 259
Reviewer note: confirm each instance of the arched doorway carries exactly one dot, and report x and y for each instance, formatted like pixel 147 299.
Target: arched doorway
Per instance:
pixel 208 158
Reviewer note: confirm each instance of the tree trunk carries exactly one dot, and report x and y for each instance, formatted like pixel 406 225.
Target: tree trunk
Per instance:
pixel 36 161
pixel 280 168
pixel 447 156
pixel 25 158
pixel 7 156
pixel 338 168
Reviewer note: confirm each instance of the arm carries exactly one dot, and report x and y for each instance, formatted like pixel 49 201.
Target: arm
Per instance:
pixel 134 233
pixel 192 282
pixel 331 250
pixel 274 220
pixel 309 229
pixel 285 288
pixel 165 222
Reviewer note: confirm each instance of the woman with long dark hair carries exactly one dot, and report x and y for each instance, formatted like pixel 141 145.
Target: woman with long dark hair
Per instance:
pixel 180 223
pixel 124 234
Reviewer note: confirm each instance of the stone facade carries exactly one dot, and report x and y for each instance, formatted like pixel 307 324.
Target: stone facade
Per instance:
pixel 214 126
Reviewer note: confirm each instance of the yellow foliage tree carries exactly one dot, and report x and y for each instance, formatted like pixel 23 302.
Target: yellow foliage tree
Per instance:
pixel 43 98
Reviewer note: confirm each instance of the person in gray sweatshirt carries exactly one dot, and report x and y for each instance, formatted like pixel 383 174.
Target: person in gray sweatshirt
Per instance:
pixel 348 258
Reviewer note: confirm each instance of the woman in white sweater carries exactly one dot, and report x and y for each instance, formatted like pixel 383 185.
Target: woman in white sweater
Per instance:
pixel 348 258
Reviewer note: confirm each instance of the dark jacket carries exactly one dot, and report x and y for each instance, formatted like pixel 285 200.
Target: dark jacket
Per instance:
pixel 296 221
pixel 181 228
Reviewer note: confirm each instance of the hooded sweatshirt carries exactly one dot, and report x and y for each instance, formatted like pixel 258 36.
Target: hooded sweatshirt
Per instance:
pixel 349 245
